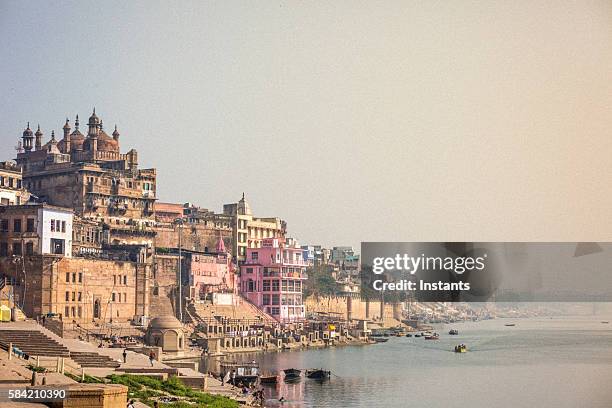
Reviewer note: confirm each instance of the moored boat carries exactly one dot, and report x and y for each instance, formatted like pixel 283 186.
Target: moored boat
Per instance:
pixel 380 339
pixel 434 336
pixel 292 374
pixel 318 374
pixel 509 324
pixel 268 379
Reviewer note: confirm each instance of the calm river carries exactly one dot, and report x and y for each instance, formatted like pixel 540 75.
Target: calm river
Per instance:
pixel 564 362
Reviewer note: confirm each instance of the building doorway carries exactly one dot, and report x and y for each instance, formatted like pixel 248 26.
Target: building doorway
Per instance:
pixel 96 309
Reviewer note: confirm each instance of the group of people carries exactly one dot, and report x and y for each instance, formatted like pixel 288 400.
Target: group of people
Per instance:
pixel 460 347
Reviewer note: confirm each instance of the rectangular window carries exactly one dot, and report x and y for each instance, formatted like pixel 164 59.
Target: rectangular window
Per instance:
pixel 254 256
pixel 275 286
pixel 125 280
pixel 80 277
pixel 249 270
pixel 17 248
pixel 275 299
pixel 266 300
pixel 63 226
pixel 74 277
pixel 30 225
pixel 266 285
pixel 52 225
pixel 80 311
pixel 17 225
pixel 67 296
pixel 80 296
pixel 3 249
pixel 4 225
pixel 284 285
pixel 29 248
pixel 74 296
pixel 67 277
pixel 114 279
pixel 67 311
pixel 113 296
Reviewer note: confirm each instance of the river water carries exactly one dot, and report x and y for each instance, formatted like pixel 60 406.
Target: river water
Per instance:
pixel 558 362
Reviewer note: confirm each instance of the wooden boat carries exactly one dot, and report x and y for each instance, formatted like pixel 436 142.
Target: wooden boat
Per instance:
pixel 318 374
pixel 380 339
pixel 453 332
pixel 509 324
pixel 268 379
pixel 434 336
pixel 292 374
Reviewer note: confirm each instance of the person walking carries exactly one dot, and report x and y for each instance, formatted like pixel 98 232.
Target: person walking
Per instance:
pixel 124 355
pixel 151 357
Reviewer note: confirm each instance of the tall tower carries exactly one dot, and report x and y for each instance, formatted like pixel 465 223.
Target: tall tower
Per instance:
pixel 39 135
pixel 94 130
pixel 28 138
pixel 67 137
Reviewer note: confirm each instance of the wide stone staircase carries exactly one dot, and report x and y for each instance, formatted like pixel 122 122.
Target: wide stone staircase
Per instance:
pixel 36 343
pixel 32 342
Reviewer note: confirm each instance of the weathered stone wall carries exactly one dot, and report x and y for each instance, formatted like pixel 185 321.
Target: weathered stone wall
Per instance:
pixel 195 237
pixel 164 285
pixel 338 304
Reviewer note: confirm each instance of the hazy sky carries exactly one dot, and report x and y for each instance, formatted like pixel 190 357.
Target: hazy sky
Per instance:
pixel 373 121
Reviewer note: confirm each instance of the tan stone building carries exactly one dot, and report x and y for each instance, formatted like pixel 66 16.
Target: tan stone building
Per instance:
pixel 79 289
pixel 89 174
pixel 12 191
pixel 249 231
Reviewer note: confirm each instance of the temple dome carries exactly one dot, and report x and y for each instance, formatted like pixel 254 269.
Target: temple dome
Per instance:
pixel 165 322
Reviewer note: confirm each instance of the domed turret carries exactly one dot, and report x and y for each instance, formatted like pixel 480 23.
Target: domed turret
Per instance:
pixel 28 137
pixel 116 134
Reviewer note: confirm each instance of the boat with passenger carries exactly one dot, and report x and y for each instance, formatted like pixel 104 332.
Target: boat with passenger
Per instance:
pixel 453 332
pixel 433 336
pixel 460 348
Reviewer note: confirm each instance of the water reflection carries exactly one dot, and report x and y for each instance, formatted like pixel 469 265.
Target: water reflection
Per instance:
pixel 527 365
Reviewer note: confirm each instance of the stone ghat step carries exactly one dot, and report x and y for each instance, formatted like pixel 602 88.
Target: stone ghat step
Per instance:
pixel 91 359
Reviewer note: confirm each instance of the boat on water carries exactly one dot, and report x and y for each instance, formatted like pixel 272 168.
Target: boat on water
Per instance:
pixel 268 379
pixel 245 372
pixel 418 335
pixel 434 336
pixel 461 348
pixel 605 322
pixel 380 339
pixel 510 324
pixel 318 374
pixel 408 335
pixel 453 332
pixel 292 374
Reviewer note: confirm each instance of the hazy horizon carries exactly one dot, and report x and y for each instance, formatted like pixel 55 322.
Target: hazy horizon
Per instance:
pixel 353 121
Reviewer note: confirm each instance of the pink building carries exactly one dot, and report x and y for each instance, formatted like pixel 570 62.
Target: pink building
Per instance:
pixel 272 278
pixel 209 272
